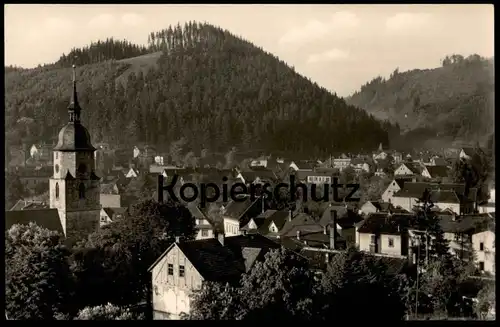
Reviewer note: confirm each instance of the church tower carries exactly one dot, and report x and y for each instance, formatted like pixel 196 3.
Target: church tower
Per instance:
pixel 74 187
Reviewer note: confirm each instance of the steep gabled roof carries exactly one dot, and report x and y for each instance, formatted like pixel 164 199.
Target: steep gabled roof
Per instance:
pixel 279 218
pixel 46 218
pixel 469 151
pixel 298 220
pixel 345 218
pixel 114 212
pixel 224 263
pixel 414 167
pixel 467 223
pixel 29 205
pixel 438 171
pixel 236 209
pixel 384 223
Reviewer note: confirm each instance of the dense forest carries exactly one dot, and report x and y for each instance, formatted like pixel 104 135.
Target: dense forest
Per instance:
pixel 101 51
pixel 197 82
pixel 454 102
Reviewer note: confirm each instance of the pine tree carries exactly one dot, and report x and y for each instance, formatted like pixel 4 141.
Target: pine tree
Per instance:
pixel 433 244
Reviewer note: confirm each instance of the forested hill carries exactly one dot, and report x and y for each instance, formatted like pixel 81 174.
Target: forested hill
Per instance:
pixel 197 83
pixel 454 102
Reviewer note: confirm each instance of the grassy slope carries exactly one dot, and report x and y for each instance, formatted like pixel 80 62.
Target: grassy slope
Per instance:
pixel 141 63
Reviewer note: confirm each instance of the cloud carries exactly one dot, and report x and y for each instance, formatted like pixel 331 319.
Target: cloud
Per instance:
pixel 340 21
pixel 405 22
pixel 330 55
pixel 102 21
pixel 132 19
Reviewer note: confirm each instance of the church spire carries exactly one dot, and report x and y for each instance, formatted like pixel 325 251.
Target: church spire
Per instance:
pixel 74 107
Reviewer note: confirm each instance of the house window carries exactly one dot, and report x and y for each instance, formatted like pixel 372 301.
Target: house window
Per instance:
pixel 81 191
pixel 373 238
pixel 481 246
pixel 204 233
pixel 181 271
pixel 57 190
pixel 103 219
pixel 170 269
pixel 157 292
pixel 391 242
pixel 481 265
pixel 57 155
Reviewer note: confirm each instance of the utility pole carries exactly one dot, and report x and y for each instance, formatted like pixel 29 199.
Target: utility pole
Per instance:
pixel 426 249
pixel 418 272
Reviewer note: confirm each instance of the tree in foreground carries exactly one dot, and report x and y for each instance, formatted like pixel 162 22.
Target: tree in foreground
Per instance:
pixel 215 301
pixel 283 287
pixel 486 301
pixel 117 257
pixel 103 312
pixel 443 283
pixel 353 280
pixel 280 287
pixel 38 279
pixel 431 239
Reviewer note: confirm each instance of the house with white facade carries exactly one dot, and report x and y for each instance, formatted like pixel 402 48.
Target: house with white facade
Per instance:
pixel 466 153
pixel 384 233
pixel 360 166
pixel 132 173
pixel 483 243
pixel 468 236
pixel 342 162
pixel 204 227
pixel 409 169
pixel 395 186
pixel 184 266
pixel 237 214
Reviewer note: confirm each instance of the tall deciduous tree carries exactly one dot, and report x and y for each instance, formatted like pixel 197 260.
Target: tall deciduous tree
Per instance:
pixel 354 279
pixel 123 251
pixel 38 278
pixel 281 287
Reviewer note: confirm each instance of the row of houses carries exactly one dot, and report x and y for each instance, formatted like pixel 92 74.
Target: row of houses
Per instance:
pixel 248 229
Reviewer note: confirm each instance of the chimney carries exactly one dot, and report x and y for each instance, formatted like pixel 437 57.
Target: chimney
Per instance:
pixel 220 237
pixel 324 230
pixel 290 215
pixel 177 239
pixel 333 229
pixel 298 235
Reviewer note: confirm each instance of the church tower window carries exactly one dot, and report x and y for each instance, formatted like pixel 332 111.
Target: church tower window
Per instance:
pixel 82 169
pixel 57 190
pixel 81 191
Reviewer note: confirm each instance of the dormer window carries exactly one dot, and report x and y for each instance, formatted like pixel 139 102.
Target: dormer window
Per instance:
pixel 81 191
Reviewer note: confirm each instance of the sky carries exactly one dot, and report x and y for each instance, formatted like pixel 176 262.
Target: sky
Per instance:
pixel 340 47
